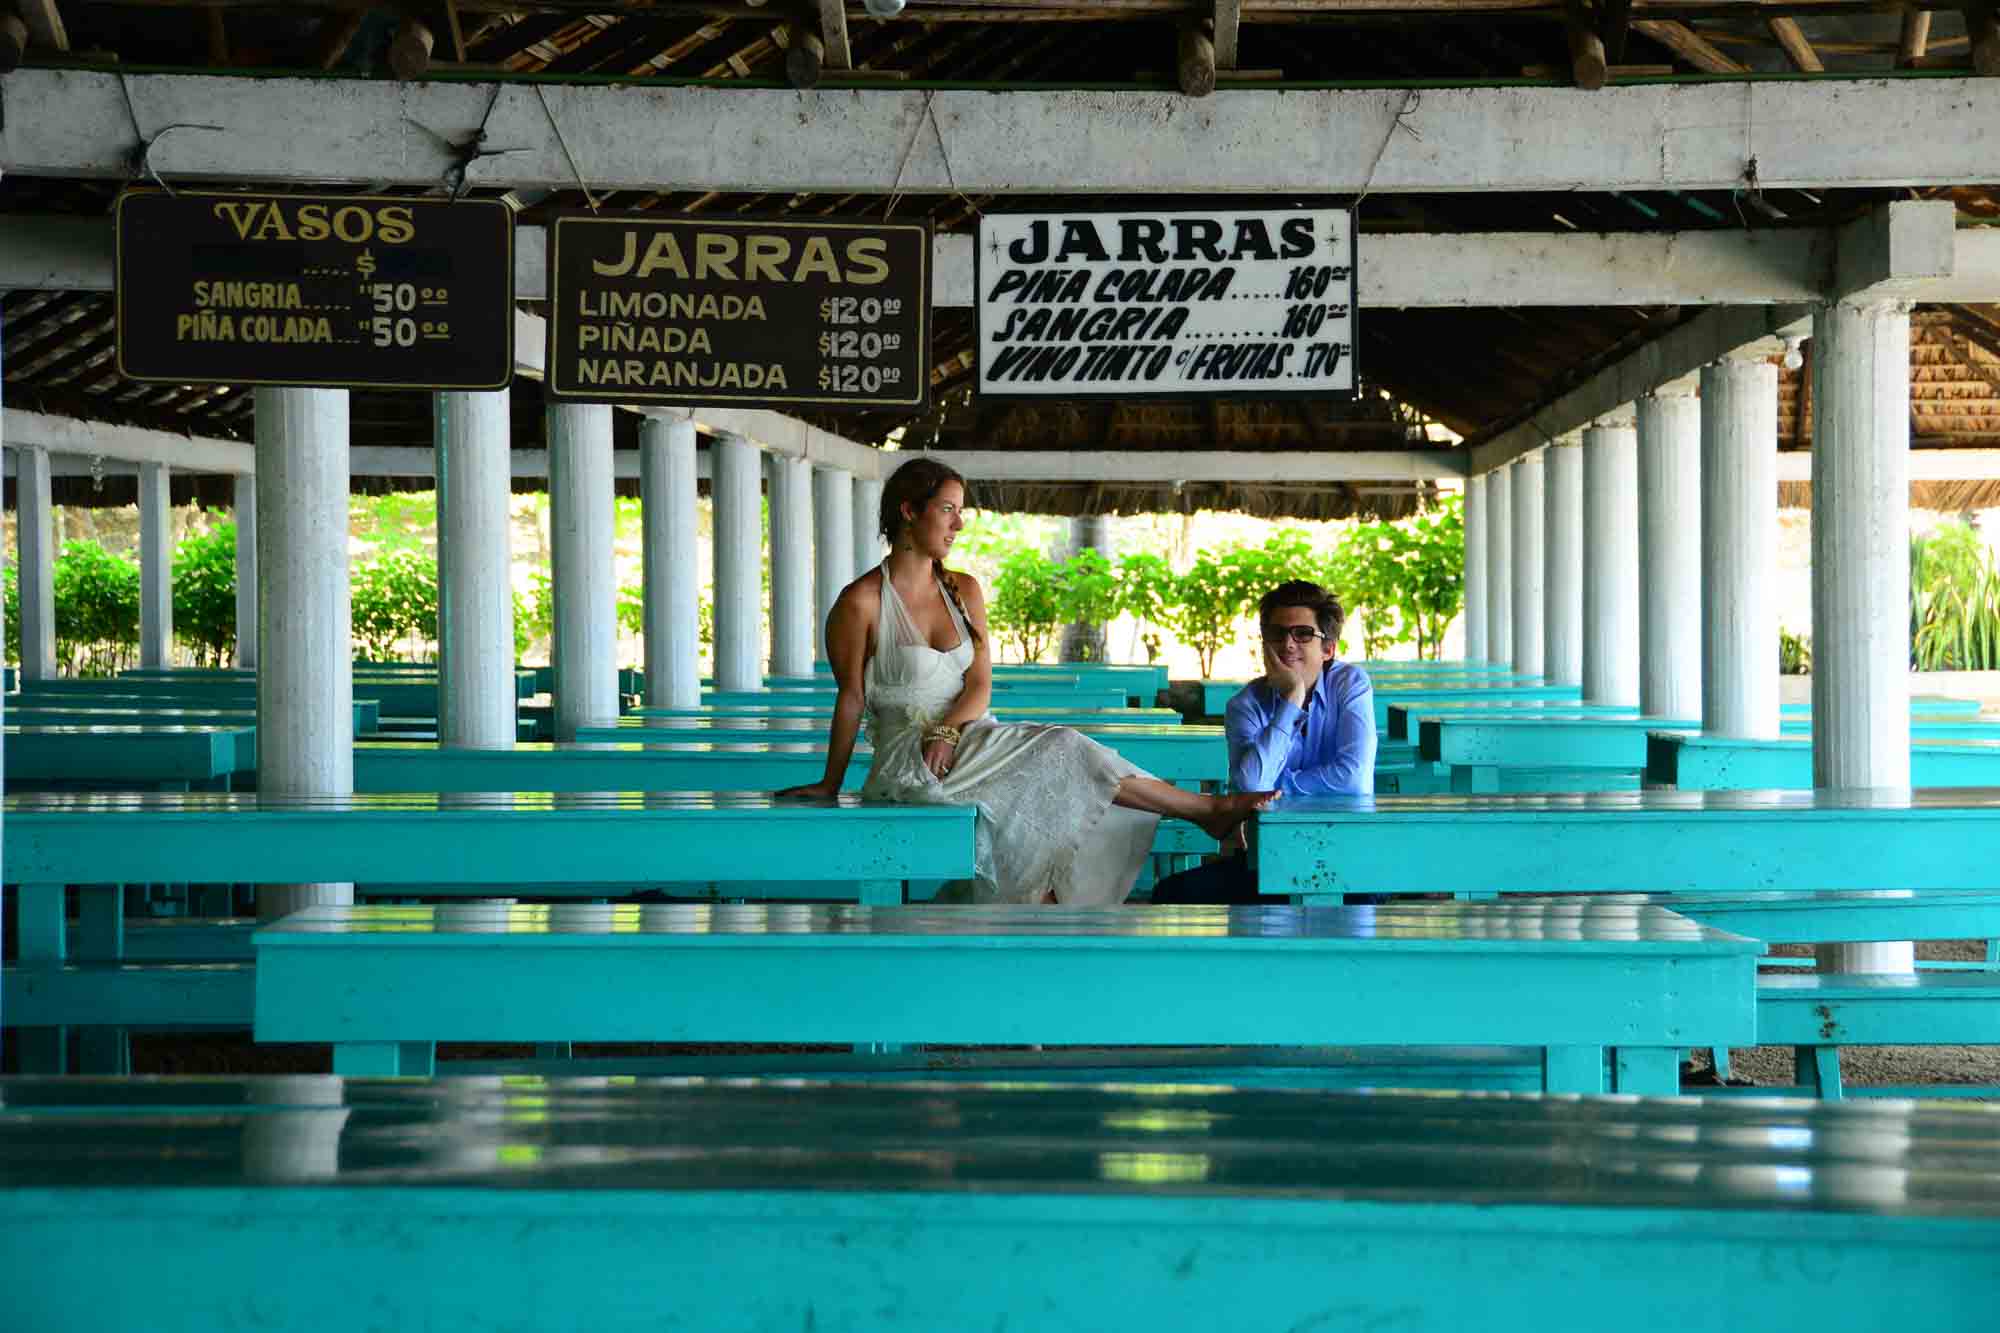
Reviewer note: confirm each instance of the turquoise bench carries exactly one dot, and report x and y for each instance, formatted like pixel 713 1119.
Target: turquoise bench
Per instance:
pixel 786 1205
pixel 1216 694
pixel 160 758
pixel 417 673
pixel 1646 841
pixel 738 727
pixel 1021 696
pixel 1932 716
pixel 1706 763
pixel 558 844
pixel 821 712
pixel 384 984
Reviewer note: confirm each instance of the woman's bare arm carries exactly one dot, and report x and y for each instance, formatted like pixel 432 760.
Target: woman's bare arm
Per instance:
pixel 847 653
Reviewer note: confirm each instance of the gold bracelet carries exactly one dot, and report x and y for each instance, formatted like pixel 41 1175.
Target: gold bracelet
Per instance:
pixel 942 732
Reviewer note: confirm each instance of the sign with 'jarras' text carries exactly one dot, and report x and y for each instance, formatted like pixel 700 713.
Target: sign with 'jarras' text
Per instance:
pixel 767 313
pixel 1082 305
pixel 334 291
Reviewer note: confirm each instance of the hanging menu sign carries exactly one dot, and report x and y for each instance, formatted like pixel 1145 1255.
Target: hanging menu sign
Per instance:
pixel 645 309
pixel 347 291
pixel 1154 304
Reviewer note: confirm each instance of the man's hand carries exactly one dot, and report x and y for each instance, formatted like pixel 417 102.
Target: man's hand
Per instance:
pixel 1284 680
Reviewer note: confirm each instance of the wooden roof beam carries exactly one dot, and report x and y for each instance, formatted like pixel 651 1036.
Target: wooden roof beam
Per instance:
pixel 1982 25
pixel 1915 38
pixel 1228 19
pixel 1589 62
pixel 833 35
pixel 1690 46
pixel 1797 49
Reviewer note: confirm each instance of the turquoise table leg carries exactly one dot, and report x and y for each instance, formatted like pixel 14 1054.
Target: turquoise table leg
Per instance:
pixel 1818 1071
pixel 1648 1071
pixel 1719 1057
pixel 100 938
pixel 41 926
pixel 1573 1069
pixel 385 1059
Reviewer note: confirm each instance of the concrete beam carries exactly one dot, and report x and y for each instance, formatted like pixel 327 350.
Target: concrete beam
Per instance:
pixel 1890 250
pixel 1144 467
pixel 1638 137
pixel 1723 331
pixel 125 444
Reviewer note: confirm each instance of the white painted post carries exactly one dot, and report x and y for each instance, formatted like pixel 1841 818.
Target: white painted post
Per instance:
pixel 736 486
pixel 1611 565
pixel 1562 562
pixel 833 546
pixel 584 647
pixel 1499 567
pixel 1475 568
pixel 671 600
pixel 1860 568
pixel 305 680
pixel 869 547
pixel 156 567
pixel 1669 555
pixel 35 535
pixel 246 569
pixel 476 699
pixel 1739 545
pixel 1526 487
pixel 791 566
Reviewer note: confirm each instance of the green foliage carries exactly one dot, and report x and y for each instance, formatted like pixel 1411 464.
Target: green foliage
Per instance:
pixel 632 609
pixel 1207 604
pixel 97 610
pixel 1088 590
pixel 1404 581
pixel 1145 591
pixel 10 597
pixel 396 521
pixel 1365 574
pixel 395 600
pixel 205 592
pixel 524 633
pixel 1027 605
pixel 1794 653
pixel 540 615
pixel 1954 602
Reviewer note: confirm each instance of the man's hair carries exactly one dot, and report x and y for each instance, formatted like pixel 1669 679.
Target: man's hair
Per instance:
pixel 1324 605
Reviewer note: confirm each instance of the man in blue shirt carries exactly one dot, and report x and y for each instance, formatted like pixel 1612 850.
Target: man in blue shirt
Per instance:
pixel 1306 727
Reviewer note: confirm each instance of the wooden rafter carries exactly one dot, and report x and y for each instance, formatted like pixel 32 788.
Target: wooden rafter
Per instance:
pixel 833 33
pixel 1228 18
pixel 1690 46
pixel 1797 49
pixel 1915 38
pixel 45 25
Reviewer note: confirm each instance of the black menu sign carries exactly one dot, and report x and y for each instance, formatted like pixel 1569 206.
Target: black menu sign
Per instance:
pixel 764 313
pixel 317 290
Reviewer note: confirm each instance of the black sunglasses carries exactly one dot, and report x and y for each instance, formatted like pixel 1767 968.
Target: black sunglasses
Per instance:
pixel 1299 634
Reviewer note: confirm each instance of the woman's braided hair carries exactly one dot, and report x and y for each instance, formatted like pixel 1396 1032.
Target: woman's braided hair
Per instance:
pixel 914 484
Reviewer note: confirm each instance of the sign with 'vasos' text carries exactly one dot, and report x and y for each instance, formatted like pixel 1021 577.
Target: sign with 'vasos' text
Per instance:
pixel 342 291
pixel 1082 305
pixel 766 313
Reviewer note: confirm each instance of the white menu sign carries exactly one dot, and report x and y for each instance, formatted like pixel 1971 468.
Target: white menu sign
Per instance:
pixel 1090 305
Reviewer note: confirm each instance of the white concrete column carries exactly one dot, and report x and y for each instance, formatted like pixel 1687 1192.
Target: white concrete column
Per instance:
pixel 584 647
pixel 869 548
pixel 1499 567
pixel 833 546
pixel 246 569
pixel 736 487
pixel 1562 562
pixel 1526 488
pixel 305 678
pixel 35 538
pixel 476 702
pixel 1611 565
pixel 1475 568
pixel 667 514
pixel 156 567
pixel 791 566
pixel 1860 568
pixel 1670 555
pixel 1739 549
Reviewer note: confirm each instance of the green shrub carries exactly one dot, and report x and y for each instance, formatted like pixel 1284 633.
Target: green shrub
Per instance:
pixel 1794 653
pixel 205 593
pixel 1954 602
pixel 96 611
pixel 1027 607
pixel 395 601
pixel 1145 590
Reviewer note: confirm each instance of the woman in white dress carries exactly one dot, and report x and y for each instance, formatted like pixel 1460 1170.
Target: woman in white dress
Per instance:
pixel 1062 818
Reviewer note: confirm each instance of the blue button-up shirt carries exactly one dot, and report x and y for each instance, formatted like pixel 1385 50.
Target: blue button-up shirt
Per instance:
pixel 1326 748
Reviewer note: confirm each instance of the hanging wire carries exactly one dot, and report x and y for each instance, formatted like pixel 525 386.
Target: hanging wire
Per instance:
pixel 588 197
pixel 141 156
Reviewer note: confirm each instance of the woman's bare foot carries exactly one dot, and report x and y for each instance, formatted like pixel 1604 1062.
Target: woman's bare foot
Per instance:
pixel 1227 813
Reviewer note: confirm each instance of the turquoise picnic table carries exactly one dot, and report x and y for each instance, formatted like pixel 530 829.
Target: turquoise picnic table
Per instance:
pixel 1021 696
pixel 1216 694
pixel 1580 980
pixel 1707 763
pixel 386 673
pixel 821 711
pixel 792 1203
pixel 1644 841
pixel 814 729
pixel 159 758
pixel 147 713
pixel 396 697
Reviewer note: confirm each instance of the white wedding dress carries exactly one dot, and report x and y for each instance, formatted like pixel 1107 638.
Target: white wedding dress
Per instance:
pixel 1047 830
